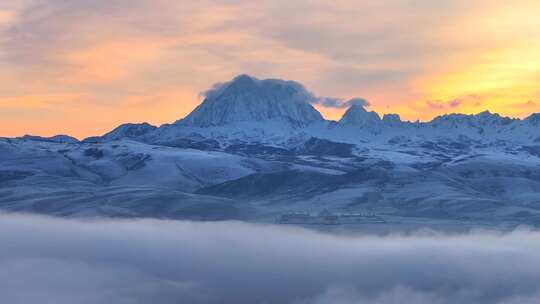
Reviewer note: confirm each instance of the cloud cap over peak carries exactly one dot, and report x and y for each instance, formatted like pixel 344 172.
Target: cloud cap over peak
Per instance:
pixel 96 64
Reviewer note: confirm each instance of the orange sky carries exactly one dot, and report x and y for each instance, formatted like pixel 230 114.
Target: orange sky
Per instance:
pixel 82 67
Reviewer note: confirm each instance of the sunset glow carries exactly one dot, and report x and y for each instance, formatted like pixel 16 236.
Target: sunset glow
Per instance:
pixel 83 67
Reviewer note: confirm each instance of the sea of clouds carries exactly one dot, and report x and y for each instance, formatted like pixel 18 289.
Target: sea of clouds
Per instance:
pixel 51 260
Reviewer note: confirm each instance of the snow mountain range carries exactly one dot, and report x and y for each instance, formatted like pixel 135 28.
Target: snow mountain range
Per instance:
pixel 254 149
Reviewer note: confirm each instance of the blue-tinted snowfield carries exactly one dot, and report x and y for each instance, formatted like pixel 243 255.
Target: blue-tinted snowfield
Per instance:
pixel 256 149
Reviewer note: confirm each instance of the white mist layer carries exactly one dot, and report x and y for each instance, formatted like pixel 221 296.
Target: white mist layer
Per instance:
pixel 50 260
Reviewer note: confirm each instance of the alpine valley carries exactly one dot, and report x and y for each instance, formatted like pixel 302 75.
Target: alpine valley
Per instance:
pixel 256 149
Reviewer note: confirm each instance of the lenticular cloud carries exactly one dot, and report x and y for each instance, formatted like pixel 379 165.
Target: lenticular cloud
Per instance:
pixel 49 260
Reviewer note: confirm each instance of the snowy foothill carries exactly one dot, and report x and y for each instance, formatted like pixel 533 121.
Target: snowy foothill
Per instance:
pixel 254 149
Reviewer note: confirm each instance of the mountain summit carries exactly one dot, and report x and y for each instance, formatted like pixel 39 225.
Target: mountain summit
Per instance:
pixel 358 116
pixel 246 98
pixel 280 112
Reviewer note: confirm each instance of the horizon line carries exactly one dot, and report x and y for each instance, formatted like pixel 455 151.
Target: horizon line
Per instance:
pixel 418 121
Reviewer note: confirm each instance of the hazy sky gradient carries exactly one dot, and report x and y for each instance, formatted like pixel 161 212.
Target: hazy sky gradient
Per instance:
pixel 84 66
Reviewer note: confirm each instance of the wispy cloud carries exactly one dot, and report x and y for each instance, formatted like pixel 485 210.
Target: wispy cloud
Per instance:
pixel 301 93
pixel 50 260
pixel 394 53
pixel 441 104
pixel 338 103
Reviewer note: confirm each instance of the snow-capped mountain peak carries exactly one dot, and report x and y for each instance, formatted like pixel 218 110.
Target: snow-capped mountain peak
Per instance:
pixel 534 119
pixel 392 119
pixel 479 120
pixel 359 116
pixel 246 98
pixel 129 130
pixel 279 112
pixel 488 118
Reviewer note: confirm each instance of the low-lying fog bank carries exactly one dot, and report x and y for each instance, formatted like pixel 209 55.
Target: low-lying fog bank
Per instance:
pixel 51 260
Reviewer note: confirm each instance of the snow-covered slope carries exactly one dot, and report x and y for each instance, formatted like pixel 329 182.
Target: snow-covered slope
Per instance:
pixel 356 115
pixel 248 99
pixel 129 130
pixel 256 148
pixel 278 113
